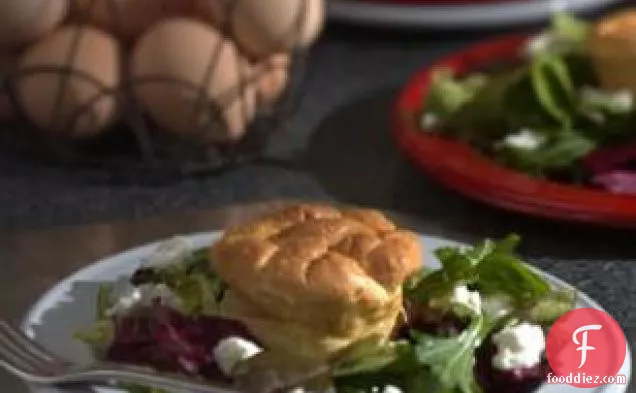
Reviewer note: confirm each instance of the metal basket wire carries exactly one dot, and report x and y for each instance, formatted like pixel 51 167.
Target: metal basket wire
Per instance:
pixel 136 145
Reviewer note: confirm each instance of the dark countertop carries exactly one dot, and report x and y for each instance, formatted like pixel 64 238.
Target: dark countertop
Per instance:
pixel 343 152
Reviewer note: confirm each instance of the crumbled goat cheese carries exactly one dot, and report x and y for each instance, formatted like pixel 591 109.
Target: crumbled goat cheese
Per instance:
pixel 233 350
pixel 518 346
pixel 525 139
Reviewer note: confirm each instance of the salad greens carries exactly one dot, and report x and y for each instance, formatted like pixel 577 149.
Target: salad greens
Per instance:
pixel 100 334
pixel 434 364
pixel 419 362
pixel 198 289
pixel 450 94
pixel 542 117
pixel 490 266
pixel 452 360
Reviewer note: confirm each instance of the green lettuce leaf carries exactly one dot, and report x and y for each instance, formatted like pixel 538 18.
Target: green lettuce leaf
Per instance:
pixel 452 360
pixel 553 88
pixel 483 119
pixel 367 357
pixel 98 336
pixel 491 266
pixel 447 94
pixel 570 30
pixel 560 151
pixel 197 286
pixel 567 34
pixel 546 310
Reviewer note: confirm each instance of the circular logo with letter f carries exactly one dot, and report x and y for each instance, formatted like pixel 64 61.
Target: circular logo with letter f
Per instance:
pixel 586 344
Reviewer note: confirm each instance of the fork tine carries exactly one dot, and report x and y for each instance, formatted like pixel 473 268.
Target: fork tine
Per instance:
pixel 16 369
pixel 11 355
pixel 19 355
pixel 30 345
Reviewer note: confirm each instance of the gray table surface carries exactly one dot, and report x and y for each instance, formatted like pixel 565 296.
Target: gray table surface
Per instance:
pixel 341 150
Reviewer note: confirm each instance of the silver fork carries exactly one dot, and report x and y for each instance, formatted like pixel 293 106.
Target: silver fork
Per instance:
pixel 25 359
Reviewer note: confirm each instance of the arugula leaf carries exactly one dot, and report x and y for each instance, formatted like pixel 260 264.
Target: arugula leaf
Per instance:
pixel 447 94
pixel 412 282
pixel 546 310
pixel 404 372
pixel 570 29
pixel 565 149
pixel 197 286
pixel 199 261
pixel 491 266
pixel 483 119
pixel 458 267
pixel 452 360
pixel 98 336
pixel 504 273
pixel 544 96
pixel 365 357
pixel 560 151
pixel 198 293
pixel 553 88
pixel 522 109
pixel 566 35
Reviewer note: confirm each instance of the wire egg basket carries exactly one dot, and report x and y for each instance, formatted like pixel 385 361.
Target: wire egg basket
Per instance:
pixel 137 144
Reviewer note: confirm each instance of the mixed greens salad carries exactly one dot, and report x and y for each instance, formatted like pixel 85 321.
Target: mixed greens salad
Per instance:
pixel 457 335
pixel 544 115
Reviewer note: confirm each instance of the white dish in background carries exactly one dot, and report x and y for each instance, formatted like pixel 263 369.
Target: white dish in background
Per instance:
pixel 506 13
pixel 70 305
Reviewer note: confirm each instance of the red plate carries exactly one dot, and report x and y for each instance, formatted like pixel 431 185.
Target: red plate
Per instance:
pixel 463 169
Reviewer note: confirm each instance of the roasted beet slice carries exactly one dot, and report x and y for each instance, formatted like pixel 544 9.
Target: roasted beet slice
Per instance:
pixel 170 341
pixel 611 158
pixel 492 380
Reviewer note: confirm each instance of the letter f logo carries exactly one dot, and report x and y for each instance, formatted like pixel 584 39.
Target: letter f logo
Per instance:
pixel 583 345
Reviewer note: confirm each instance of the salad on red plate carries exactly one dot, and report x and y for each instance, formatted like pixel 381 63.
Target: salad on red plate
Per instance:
pixel 562 109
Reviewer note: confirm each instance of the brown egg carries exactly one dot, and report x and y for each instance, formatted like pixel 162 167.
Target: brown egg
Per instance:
pixel 612 48
pixel 127 18
pixel 190 80
pixel 262 28
pixel 85 102
pixel 271 77
pixel 24 21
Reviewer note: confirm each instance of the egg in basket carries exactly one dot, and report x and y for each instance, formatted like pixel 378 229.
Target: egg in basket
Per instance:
pixel 199 83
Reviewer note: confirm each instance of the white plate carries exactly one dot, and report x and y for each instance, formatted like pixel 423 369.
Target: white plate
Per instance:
pixel 487 15
pixel 70 305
